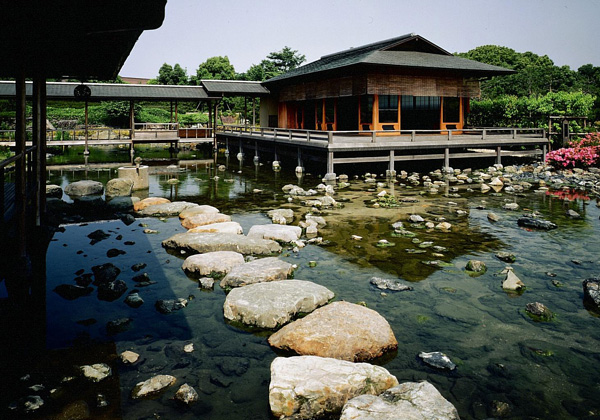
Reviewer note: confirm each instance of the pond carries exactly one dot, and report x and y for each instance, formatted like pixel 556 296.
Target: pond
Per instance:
pixel 509 366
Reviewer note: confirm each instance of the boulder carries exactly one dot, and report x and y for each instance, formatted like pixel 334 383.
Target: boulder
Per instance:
pixel 105 273
pixel 341 330
pixel 119 187
pixel 84 187
pixel 476 266
pixel 129 357
pixel 72 291
pixel 512 282
pixel 225 227
pixel 166 209
pixel 279 233
pixel 150 201
pixel 389 284
pixel 218 262
pixel 437 360
pixel 534 223
pixel 493 217
pixel 508 257
pixel 186 394
pixel 591 290
pixel 309 387
pixel 122 203
pixel 134 300
pixel 209 242
pixel 96 372
pixel 201 209
pixel 152 386
pixel 258 271
pixel 281 216
pixel 407 401
pixel 166 306
pixel 204 219
pixel 270 305
pixel 111 291
pixel 54 191
pixel 539 312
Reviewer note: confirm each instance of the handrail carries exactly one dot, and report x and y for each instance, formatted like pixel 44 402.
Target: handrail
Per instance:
pixel 155 126
pixel 373 135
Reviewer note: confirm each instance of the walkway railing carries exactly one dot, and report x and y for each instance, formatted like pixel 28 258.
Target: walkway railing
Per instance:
pixel 376 136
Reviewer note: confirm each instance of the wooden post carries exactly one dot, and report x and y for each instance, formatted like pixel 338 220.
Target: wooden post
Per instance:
pixel 20 164
pixel 131 120
pixel 499 155
pixel 42 152
pixel 253 112
pixel 245 112
pixel 330 162
pixel 446 157
pixel 39 141
pixel 86 151
pixel 391 166
pixel 171 117
pixel 544 151
pixel 176 112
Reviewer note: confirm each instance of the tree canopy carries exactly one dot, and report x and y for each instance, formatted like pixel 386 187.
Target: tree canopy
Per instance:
pixel 217 68
pixel 276 63
pixel 168 75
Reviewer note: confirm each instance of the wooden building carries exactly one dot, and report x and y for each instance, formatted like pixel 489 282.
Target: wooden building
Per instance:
pixel 403 83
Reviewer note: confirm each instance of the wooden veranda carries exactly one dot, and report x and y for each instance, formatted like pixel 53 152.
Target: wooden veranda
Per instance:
pixel 356 147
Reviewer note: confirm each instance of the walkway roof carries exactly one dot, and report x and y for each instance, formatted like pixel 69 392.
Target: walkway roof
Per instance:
pixel 234 88
pixel 409 51
pixel 73 38
pixel 115 91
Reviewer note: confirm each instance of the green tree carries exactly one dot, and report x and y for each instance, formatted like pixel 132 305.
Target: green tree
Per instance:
pixel 168 75
pixel 217 68
pixel 286 59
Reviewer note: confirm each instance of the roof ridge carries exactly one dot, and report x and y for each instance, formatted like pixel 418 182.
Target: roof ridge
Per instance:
pixel 370 45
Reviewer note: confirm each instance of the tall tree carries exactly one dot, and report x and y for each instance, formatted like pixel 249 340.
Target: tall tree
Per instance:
pixel 276 63
pixel 217 68
pixel 168 75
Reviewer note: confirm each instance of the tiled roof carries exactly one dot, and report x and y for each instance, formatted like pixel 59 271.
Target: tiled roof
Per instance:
pixel 234 88
pixel 406 51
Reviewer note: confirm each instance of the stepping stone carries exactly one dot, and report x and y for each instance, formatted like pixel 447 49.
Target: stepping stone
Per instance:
pixel 218 262
pixel 270 305
pixel 410 400
pixel 279 233
pixel 204 219
pixel 341 330
pixel 309 387
pixel 166 209
pixel 258 271
pixel 209 242
pixel 202 209
pixel 150 201
pixel 225 227
pixel 152 386
pixel 84 187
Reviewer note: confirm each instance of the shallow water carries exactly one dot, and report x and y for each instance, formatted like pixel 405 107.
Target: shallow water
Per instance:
pixel 541 370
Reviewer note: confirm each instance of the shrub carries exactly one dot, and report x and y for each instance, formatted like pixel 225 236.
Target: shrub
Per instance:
pixel 580 153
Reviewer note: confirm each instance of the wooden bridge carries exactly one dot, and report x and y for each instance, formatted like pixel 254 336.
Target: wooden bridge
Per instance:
pixel 355 147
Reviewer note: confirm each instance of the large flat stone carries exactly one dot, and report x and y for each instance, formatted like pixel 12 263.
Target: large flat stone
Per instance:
pixel 224 227
pixel 341 330
pixel 204 219
pixel 279 233
pixel 407 401
pixel 209 242
pixel 258 271
pixel 166 209
pixel 219 262
pixel 269 305
pixel 309 387
pixel 201 209
pixel 84 187
pixel 150 201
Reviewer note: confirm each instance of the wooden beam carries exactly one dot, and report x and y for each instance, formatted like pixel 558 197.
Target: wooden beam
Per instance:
pixel 21 167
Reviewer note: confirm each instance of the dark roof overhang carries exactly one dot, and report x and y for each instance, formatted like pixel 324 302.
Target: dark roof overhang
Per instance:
pixel 73 38
pixel 234 88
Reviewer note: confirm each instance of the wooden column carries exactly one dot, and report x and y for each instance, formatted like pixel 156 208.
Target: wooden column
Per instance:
pixel 176 112
pixel 392 156
pixel 446 157
pixel 499 155
pixel 245 111
pixel 171 120
pixel 39 141
pixel 254 112
pixel 86 151
pixel 21 167
pixel 131 119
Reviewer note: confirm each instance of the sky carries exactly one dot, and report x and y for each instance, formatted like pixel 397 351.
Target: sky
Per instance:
pixel 247 31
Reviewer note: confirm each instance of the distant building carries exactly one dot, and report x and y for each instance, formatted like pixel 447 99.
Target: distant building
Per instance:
pixel 135 80
pixel 403 83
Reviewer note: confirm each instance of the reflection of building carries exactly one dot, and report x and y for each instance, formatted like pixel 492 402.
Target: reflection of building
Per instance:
pixel 403 83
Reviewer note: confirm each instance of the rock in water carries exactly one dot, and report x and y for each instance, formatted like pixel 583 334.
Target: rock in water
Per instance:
pixel 341 330
pixel 166 209
pixel 167 306
pixel 476 266
pixel 208 242
pixel 152 386
pixel 218 262
pixel 105 273
pixel 129 357
pixel 54 191
pixel 223 227
pixel 269 305
pixel 591 290
pixel 506 256
pixel 512 282
pixel 71 291
pixel 150 201
pixel 389 284
pixel 258 271
pixel 186 394
pixel 438 360
pixel 96 372
pixel 407 401
pixel 539 312
pixel 534 223
pixel 279 233
pixel 309 387
pixel 202 219
pixel 83 188
pixel 203 209
pixel 119 187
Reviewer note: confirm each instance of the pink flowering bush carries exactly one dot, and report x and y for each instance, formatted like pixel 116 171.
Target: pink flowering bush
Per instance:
pixel 580 153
